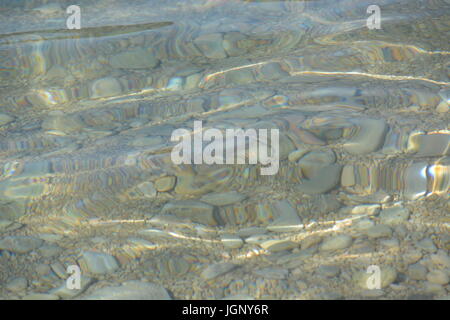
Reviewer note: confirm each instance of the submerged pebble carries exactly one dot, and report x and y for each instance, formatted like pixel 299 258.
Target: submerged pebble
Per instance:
pixel 20 244
pixel 99 263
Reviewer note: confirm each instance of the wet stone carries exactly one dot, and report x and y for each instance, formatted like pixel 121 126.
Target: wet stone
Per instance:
pixel 314 161
pixel 165 184
pixel 191 82
pixel 394 216
pixel 326 180
pixel 148 189
pixel 390 243
pixel 5 119
pixel 231 241
pixel 50 250
pixel 12 210
pixel 17 284
pixel 441 259
pixel 286 220
pixel 146 141
pixel 20 244
pixel 98 263
pixel 6 225
pixel 295 260
pixel 363 224
pixel 366 209
pixel 257 238
pixel 194 210
pixel 105 87
pixel 211 45
pixel 59 270
pixel 273 71
pixel 217 269
pixel 328 271
pixel 443 107
pixel 130 290
pixel 278 245
pixel 379 231
pixel 415 181
pixel 431 144
pixel 231 41
pixel 63 123
pixel 427 245
pixel 417 272
pixel 438 277
pixel 272 273
pixel 434 288
pixel 348 176
pixel 369 137
pixel 337 242
pixel 42 269
pixel 242 76
pixel 49 9
pixel 297 154
pixel 250 231
pixel 178 266
pixel 50 237
pixel 138 58
pixel 223 198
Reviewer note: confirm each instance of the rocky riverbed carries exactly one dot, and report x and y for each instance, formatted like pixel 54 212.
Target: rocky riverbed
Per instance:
pixel 87 179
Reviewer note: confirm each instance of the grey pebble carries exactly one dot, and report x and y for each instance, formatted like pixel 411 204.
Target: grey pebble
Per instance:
pixel 217 269
pixel 379 231
pixel 99 263
pixel 17 284
pixel 20 244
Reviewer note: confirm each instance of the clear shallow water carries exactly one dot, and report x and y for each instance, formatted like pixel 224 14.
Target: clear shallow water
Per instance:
pixel 86 118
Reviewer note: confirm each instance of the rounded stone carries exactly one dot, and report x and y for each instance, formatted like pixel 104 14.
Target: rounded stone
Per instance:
pixel 217 269
pixel 148 189
pixel 312 163
pixel 438 277
pixel 105 87
pixel 297 154
pixel 368 138
pixel 337 242
pixel 147 141
pixel 394 216
pixel 17 285
pixel 223 198
pixel 165 184
pixel 231 241
pixel 98 263
pixel 5 119
pixel 20 244
pixel 211 45
pixel 417 272
pixel 138 58
pixel 379 231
